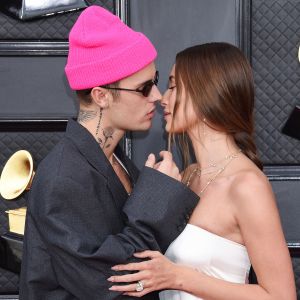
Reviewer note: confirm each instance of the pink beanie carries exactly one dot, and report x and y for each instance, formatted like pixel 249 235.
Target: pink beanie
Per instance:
pixel 103 50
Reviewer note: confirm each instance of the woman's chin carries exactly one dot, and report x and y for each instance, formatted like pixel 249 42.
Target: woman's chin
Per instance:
pixel 167 128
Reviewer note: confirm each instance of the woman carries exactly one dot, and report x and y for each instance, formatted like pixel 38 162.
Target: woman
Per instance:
pixel 211 99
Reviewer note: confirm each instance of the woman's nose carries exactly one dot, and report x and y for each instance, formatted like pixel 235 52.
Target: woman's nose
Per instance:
pixel 164 99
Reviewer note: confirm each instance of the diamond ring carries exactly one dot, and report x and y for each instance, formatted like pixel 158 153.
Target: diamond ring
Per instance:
pixel 139 287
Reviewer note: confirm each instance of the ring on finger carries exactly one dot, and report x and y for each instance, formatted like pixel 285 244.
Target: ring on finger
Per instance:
pixel 139 287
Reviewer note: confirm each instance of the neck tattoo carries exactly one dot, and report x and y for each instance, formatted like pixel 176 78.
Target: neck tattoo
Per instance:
pixel 107 132
pixel 86 115
pixel 99 122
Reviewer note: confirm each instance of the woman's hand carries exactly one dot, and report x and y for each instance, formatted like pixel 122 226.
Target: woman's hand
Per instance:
pixel 155 274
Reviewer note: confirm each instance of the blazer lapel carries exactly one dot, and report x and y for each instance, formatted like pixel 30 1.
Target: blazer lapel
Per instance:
pixel 131 168
pixel 88 146
pixel 117 189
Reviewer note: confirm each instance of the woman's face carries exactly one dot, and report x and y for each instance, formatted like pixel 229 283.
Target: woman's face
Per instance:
pixel 185 115
pixel 169 99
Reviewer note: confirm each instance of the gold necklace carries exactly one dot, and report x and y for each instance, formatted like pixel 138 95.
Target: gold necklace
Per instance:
pixel 230 158
pixel 215 164
pixel 200 171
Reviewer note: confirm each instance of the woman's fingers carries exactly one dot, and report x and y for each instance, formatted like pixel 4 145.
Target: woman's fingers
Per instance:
pixel 144 265
pixel 130 289
pixel 132 266
pixel 124 288
pixel 147 254
pixel 127 278
pixel 138 294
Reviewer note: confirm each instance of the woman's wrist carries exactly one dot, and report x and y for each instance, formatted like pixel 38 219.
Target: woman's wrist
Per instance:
pixel 176 277
pixel 183 276
pixel 179 277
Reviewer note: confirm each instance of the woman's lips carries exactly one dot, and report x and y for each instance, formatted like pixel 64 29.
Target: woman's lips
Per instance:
pixel 166 114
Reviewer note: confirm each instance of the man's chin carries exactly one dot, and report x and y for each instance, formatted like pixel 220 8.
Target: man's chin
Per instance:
pixel 142 127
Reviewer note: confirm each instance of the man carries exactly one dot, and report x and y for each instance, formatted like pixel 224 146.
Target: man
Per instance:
pixel 87 211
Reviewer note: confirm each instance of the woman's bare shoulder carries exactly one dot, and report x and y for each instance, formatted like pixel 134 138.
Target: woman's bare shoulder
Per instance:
pixel 251 187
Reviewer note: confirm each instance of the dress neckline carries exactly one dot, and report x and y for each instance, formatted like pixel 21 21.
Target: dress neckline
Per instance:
pixel 218 236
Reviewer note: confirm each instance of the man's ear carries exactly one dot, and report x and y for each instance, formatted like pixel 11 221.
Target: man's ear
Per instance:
pixel 101 96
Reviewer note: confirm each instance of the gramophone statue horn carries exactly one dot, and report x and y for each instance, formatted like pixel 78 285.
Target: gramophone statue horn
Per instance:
pixel 17 175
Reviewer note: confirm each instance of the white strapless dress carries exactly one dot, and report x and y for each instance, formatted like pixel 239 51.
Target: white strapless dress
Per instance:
pixel 208 253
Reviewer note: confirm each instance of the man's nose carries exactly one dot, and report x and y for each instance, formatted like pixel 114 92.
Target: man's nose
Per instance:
pixel 155 94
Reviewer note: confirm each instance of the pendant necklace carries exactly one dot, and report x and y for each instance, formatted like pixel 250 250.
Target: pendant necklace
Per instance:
pixel 198 171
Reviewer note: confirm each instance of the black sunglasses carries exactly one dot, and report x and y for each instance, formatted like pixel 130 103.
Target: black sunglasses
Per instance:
pixel 145 90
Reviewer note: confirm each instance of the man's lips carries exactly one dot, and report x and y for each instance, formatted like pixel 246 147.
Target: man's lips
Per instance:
pixel 150 114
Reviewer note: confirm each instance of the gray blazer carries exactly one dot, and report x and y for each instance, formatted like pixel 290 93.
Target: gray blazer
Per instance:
pixel 80 220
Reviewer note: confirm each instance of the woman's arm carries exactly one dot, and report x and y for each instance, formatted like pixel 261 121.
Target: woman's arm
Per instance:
pixel 259 222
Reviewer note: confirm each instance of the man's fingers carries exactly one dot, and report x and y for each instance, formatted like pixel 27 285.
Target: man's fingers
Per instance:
pixel 156 166
pixel 166 155
pixel 179 178
pixel 150 162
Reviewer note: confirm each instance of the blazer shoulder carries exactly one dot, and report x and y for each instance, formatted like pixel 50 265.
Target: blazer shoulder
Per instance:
pixel 64 160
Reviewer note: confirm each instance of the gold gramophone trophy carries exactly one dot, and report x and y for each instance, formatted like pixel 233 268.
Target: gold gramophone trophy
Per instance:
pixel 16 177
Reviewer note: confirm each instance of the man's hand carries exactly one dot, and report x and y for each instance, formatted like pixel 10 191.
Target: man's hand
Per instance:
pixel 166 165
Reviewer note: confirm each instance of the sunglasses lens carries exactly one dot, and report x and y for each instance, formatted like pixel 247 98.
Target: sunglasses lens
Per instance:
pixel 148 86
pixel 147 89
pixel 156 78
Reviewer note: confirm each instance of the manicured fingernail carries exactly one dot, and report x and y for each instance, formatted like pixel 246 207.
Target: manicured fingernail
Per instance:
pixel 112 288
pixel 115 268
pixel 110 279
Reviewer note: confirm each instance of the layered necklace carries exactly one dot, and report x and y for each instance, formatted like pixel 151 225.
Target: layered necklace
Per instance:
pixel 211 169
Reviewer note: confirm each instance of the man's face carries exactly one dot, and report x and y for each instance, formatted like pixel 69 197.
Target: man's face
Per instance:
pixel 131 110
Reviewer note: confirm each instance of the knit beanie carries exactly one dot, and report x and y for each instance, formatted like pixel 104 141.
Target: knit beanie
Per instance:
pixel 103 50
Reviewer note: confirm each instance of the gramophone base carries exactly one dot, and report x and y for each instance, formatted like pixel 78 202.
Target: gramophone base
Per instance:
pixel 11 249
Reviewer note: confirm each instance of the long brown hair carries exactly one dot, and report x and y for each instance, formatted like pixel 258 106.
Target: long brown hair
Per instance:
pixel 218 79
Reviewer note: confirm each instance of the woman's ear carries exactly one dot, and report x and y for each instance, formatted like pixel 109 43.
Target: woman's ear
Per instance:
pixel 101 96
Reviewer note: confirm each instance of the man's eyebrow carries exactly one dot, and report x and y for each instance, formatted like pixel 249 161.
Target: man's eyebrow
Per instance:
pixel 142 83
